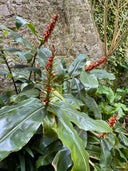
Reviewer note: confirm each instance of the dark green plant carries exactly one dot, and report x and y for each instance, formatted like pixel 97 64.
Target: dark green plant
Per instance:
pixel 56 121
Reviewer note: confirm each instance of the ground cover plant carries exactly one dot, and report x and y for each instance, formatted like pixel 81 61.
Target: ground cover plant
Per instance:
pixel 59 118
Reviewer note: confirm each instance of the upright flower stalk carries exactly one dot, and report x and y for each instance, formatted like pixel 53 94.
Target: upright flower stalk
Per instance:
pixel 45 37
pixel 50 28
pixel 49 78
pixel 96 63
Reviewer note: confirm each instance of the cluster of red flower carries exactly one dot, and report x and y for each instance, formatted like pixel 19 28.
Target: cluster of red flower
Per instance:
pixel 50 28
pixel 96 63
pixel 112 120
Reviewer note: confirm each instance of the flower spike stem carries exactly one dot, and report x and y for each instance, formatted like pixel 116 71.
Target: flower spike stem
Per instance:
pixel 49 75
pixel 45 37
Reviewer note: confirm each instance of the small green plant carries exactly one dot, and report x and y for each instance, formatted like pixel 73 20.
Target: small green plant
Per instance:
pixel 56 119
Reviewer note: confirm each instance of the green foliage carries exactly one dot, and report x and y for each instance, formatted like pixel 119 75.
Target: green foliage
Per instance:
pixel 70 131
pixel 117 23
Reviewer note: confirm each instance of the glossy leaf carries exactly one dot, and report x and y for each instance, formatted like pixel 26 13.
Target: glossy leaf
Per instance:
pixel 76 86
pixel 62 160
pixel 18 123
pixel 105 157
pixel 102 74
pixel 26 55
pixel 18 38
pixel 108 92
pixel 24 95
pixel 25 67
pixel 48 152
pixel 82 120
pixel 89 81
pixel 73 101
pixel 92 105
pixel 21 22
pixel 124 139
pixel 59 71
pixel 42 56
pixel 4 72
pixel 70 138
pixel 77 66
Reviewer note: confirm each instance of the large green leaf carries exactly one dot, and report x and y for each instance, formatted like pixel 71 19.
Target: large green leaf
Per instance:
pixel 105 157
pixel 77 65
pixel 92 105
pixel 48 152
pixel 21 22
pixel 62 160
pixel 17 37
pixel 25 67
pixel 82 120
pixel 4 72
pixel 102 74
pixel 18 123
pixel 26 55
pixel 106 91
pixel 42 56
pixel 70 138
pixel 73 101
pixel 124 139
pixel 89 81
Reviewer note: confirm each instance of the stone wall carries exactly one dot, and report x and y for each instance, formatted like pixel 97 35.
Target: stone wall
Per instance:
pixel 75 32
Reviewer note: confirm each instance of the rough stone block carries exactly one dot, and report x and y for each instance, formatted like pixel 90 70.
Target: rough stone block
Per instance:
pixel 4 10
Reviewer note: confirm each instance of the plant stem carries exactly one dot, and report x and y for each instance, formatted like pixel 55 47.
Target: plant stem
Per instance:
pixel 34 59
pixel 6 62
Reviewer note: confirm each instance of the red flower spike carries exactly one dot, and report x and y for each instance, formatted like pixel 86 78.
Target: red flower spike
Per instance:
pixel 50 28
pixel 96 63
